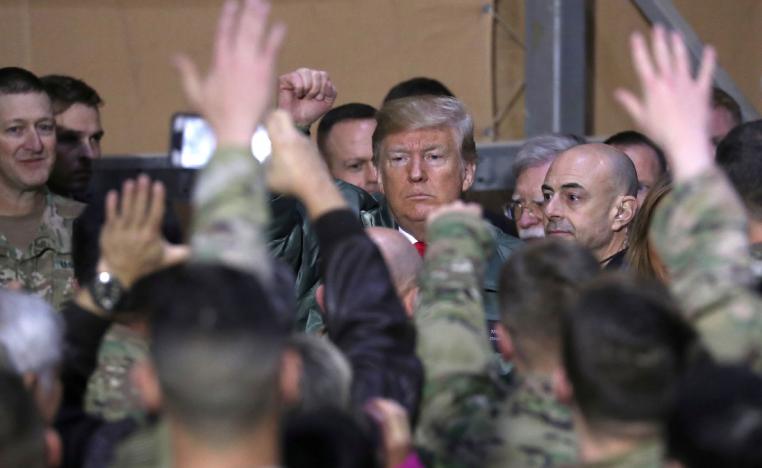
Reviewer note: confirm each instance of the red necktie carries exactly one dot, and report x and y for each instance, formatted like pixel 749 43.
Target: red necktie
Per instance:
pixel 420 247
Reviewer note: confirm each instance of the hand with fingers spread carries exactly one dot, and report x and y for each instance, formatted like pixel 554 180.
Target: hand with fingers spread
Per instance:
pixel 238 88
pixel 306 94
pixel 296 168
pixel 131 241
pixel 674 109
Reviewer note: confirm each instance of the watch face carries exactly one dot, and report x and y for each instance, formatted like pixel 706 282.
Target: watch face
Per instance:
pixel 106 290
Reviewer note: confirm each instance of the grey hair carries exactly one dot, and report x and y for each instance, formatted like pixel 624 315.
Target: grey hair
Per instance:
pixel 422 112
pixel 326 374
pixel 31 334
pixel 542 149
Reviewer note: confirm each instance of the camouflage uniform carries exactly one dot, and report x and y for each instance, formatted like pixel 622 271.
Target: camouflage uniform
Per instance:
pixel 231 210
pixel 700 233
pixel 149 447
pixel 647 454
pixel 462 393
pixel 536 427
pixel 110 392
pixel 45 266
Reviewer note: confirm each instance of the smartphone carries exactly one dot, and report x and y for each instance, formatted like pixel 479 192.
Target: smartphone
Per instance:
pixel 192 141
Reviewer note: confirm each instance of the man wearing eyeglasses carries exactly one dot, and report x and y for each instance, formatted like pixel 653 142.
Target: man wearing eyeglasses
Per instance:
pixel 530 166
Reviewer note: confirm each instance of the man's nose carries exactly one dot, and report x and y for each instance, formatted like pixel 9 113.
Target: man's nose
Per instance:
pixel 371 174
pixel 90 149
pixel 529 218
pixel 33 141
pixel 415 170
pixel 551 208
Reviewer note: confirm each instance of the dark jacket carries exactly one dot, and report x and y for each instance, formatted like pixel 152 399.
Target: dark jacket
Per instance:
pixel 364 316
pixel 293 240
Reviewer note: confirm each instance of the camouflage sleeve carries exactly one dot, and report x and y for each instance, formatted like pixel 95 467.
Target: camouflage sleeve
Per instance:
pixel 231 211
pixel 699 231
pixel 456 425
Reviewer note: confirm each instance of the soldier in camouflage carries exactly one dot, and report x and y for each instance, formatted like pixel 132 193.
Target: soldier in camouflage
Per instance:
pixel 35 225
pixel 700 229
pixel 535 289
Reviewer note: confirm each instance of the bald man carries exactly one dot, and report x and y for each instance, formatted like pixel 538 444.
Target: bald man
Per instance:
pixel 590 196
pixel 402 260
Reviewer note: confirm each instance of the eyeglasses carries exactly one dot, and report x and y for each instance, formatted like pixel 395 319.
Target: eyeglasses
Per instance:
pixel 515 208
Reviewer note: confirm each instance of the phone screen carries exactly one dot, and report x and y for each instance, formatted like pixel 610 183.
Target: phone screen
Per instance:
pixel 192 142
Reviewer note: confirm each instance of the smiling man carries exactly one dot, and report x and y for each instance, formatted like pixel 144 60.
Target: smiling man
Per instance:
pixel 79 133
pixel 589 195
pixel 35 225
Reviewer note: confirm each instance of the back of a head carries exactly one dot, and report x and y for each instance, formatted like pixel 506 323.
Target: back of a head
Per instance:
pixel 722 99
pixel 640 254
pixel 419 86
pixel 216 345
pixel 739 154
pixel 22 437
pixel 31 333
pixel 402 260
pixel 717 420
pixel 537 283
pixel 326 374
pixel 542 149
pixel 351 111
pixel 633 138
pixel 424 112
pixel 15 80
pixel 66 90
pixel 625 346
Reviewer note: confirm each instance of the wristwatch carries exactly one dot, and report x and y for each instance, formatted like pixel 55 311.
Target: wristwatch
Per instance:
pixel 106 290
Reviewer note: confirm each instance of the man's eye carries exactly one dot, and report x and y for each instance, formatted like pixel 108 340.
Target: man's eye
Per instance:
pixel 546 196
pixel 46 127
pixel 15 130
pixel 354 167
pixel 573 197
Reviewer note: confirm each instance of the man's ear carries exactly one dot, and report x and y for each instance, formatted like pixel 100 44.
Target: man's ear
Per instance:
pixel 143 376
pixel 469 169
pixel 625 208
pixel 562 388
pixel 504 342
pixel 290 376
pixel 409 301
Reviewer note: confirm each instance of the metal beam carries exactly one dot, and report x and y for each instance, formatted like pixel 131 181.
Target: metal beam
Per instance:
pixel 664 12
pixel 555 67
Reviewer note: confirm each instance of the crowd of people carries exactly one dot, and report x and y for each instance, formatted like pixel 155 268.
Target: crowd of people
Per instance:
pixel 339 306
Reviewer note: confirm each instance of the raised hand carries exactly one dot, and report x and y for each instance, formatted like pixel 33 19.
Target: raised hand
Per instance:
pixel 674 108
pixel 131 241
pixel 306 94
pixel 296 168
pixel 238 88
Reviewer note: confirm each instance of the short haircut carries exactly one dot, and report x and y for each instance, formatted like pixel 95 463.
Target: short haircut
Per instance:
pixel 422 112
pixel 66 90
pixel 419 86
pixel 326 374
pixel 717 420
pixel 22 434
pixel 724 100
pixel 633 138
pixel 624 347
pixel 625 173
pixel 542 149
pixel 216 343
pixel 739 154
pixel 31 333
pixel 351 111
pixel 15 80
pixel 537 284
